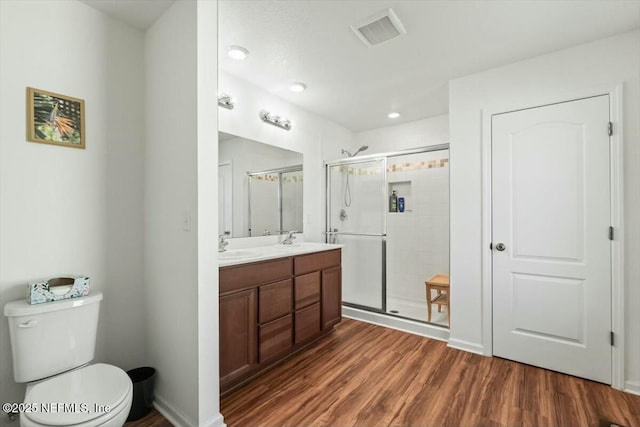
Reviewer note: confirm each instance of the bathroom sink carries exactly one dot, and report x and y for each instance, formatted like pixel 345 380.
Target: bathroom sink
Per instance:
pixel 237 255
pixel 299 246
pixel 291 246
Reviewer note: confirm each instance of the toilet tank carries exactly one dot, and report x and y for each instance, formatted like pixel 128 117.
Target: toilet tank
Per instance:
pixel 53 337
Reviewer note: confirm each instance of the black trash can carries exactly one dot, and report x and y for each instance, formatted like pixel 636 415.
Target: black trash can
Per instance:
pixel 143 380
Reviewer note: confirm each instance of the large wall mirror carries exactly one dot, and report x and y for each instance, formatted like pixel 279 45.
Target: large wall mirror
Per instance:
pixel 260 188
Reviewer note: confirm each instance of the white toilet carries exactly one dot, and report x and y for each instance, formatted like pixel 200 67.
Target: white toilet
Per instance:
pixel 52 345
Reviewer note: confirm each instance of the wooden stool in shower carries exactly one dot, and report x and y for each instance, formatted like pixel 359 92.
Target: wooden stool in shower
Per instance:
pixel 440 284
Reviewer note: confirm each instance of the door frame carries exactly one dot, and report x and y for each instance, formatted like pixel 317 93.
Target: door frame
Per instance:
pixel 617 210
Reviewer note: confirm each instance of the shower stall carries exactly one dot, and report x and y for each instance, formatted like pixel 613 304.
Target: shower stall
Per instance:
pixel 390 250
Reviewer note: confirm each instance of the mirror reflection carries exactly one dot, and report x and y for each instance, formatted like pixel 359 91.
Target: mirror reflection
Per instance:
pixel 260 188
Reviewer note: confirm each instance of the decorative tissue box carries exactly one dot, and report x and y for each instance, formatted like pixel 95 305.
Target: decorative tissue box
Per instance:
pixel 57 289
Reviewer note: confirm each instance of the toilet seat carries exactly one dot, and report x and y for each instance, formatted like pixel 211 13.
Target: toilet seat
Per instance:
pixel 88 396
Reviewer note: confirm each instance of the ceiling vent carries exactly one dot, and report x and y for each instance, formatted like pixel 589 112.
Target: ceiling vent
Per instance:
pixel 379 28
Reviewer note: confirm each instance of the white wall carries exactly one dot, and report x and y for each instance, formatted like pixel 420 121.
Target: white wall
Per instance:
pixel 181 286
pixel 170 261
pixel 313 136
pixel 207 216
pixel 607 61
pixel 421 133
pixel 66 210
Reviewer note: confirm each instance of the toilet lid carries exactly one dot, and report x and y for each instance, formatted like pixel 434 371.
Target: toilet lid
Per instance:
pixel 78 396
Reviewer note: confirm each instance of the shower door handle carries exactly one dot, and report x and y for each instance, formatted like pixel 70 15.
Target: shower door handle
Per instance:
pixel 344 233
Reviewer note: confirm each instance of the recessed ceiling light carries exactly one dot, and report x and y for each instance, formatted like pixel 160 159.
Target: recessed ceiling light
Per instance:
pixel 297 87
pixel 393 115
pixel 237 52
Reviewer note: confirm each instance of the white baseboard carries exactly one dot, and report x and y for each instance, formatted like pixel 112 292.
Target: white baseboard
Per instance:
pixel 467 346
pixel 171 413
pixel 405 325
pixel 632 387
pixel 216 421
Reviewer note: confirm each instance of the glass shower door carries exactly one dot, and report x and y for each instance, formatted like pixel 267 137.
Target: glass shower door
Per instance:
pixel 356 219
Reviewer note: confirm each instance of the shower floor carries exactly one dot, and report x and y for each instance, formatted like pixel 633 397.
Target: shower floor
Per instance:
pixel 416 310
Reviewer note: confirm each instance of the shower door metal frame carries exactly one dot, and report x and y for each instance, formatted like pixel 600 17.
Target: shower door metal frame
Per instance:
pixel 383 235
pixel 329 233
pixel 279 171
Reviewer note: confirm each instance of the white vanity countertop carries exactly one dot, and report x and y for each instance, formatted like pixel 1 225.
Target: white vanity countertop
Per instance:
pixel 262 253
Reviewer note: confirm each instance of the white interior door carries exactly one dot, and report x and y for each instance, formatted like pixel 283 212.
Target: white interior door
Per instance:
pixel 551 213
pixel 225 198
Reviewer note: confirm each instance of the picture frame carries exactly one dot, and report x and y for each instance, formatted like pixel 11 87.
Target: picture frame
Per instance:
pixel 55 119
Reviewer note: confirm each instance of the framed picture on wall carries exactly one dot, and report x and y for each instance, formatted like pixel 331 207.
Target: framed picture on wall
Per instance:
pixel 55 119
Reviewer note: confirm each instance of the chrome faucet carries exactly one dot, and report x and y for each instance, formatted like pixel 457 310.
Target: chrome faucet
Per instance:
pixel 222 243
pixel 290 237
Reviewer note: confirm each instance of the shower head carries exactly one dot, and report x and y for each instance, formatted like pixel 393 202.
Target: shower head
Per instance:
pixel 348 153
pixel 363 148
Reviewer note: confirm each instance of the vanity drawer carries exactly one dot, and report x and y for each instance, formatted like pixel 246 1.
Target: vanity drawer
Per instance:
pixel 316 261
pixel 274 300
pixel 307 289
pixel 246 275
pixel 275 338
pixel 307 323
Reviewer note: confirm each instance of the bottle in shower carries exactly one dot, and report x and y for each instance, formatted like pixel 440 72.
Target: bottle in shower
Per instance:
pixel 393 202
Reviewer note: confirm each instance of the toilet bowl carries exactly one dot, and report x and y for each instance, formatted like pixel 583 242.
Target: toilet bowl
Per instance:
pixel 94 395
pixel 52 345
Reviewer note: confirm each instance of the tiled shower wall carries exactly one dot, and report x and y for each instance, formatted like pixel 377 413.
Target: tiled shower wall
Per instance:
pixel 418 238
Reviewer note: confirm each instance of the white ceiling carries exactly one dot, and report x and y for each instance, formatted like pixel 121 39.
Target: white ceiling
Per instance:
pixel 137 13
pixel 357 86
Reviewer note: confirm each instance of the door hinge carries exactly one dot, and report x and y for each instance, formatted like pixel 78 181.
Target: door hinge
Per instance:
pixel 611 338
pixel 610 128
pixel 610 233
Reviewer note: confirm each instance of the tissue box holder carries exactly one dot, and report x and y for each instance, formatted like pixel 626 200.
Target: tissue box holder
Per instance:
pixel 40 292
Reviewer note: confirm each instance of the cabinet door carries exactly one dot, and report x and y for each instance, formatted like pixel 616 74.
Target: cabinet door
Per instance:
pixel 275 301
pixel 275 338
pixel 307 290
pixel 307 323
pixel 331 297
pixel 303 264
pixel 238 335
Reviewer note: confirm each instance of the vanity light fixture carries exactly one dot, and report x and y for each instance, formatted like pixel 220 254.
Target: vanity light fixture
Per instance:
pixel 275 120
pixel 225 101
pixel 393 115
pixel 237 52
pixel 297 87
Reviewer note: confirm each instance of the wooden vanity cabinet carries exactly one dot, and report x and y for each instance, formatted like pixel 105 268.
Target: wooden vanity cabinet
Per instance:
pixel 331 297
pixel 274 316
pixel 308 324
pixel 307 306
pixel 274 301
pixel 271 309
pixel 238 357
pixel 275 338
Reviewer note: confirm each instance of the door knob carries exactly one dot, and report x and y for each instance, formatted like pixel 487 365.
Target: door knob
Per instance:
pixel 500 246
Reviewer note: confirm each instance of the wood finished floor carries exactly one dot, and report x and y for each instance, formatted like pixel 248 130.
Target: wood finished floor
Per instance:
pixel 366 375
pixel 153 419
